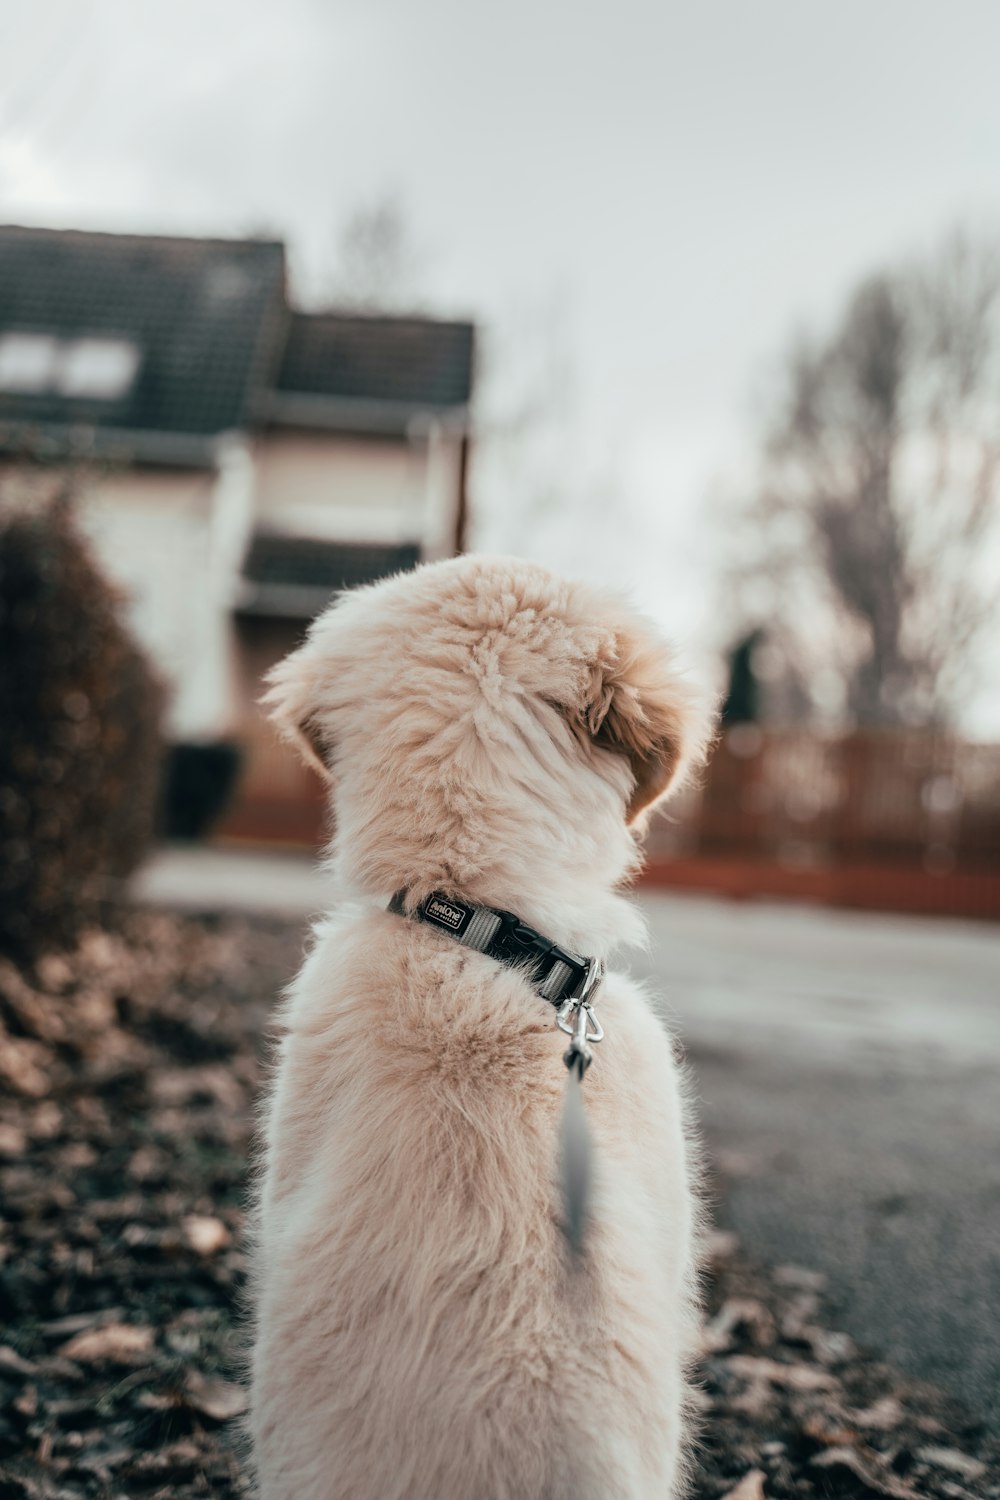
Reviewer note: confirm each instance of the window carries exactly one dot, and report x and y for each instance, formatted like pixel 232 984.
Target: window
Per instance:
pixel 27 361
pixel 101 368
pixel 225 281
pixel 36 363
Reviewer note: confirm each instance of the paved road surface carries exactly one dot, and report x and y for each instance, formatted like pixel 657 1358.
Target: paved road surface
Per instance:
pixel 847 1071
pixel 197 879
pixel 847 1067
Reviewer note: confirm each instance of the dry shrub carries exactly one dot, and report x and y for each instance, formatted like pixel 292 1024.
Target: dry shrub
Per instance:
pixel 79 733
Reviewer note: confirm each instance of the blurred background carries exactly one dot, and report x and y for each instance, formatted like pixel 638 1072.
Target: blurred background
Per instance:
pixel 704 303
pixel 701 302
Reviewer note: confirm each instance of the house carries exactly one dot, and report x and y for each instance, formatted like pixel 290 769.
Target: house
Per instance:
pixel 236 461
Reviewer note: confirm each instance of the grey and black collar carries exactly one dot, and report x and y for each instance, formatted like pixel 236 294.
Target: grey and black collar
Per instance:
pixel 557 974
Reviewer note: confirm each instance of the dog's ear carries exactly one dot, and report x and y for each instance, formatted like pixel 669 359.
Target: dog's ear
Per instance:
pixel 640 705
pixel 292 701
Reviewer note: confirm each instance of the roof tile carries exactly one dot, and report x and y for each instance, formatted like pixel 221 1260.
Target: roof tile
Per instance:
pixel 207 317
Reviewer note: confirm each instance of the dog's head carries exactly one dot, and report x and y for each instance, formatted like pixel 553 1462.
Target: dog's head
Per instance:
pixel 480 708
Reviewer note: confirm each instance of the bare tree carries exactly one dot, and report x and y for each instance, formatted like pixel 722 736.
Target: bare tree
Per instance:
pixel 376 264
pixel 526 409
pixel 870 540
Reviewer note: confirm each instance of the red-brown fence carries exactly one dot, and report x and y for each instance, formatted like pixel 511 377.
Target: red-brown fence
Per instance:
pixel 902 821
pixel 889 821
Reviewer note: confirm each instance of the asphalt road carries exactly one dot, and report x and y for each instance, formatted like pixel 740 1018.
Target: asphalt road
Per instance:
pixel 847 1079
pixel 846 1071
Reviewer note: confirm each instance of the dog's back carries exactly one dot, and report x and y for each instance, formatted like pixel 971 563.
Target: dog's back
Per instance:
pixel 490 733
pixel 422 1332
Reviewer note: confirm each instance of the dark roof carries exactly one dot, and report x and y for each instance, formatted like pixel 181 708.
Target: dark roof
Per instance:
pixel 295 577
pixel 419 362
pixel 207 317
pixel 219 349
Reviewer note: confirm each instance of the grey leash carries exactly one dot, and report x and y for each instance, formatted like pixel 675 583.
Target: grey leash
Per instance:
pixel 577 1018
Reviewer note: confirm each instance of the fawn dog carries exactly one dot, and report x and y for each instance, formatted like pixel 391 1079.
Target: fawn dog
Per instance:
pixel 490 734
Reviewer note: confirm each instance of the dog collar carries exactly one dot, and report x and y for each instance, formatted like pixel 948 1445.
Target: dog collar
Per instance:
pixel 557 974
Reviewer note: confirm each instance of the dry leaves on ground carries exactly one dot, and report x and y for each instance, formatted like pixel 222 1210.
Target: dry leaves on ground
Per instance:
pixel 130 1069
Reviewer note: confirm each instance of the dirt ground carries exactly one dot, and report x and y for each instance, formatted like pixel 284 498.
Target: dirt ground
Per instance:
pixel 128 1073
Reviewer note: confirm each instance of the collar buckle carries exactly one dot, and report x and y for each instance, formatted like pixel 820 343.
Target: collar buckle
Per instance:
pixel 577 1018
pixel 590 981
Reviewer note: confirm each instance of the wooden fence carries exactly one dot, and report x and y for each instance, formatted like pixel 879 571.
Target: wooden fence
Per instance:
pixel 893 821
pixel 899 821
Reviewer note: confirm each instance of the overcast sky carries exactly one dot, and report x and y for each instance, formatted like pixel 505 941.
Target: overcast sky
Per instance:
pixel 673 188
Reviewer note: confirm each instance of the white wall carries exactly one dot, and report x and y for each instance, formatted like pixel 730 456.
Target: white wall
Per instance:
pixel 357 490
pixel 174 541
pixel 155 534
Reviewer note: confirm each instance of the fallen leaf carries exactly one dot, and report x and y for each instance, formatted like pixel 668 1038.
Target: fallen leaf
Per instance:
pixel 205 1235
pixel 953 1461
pixel 46 1121
pixel 750 1487
pixel 157 1401
pixel 24 1065
pixel 720 1246
pixel 799 1278
pixel 865 1467
pixel 147 1162
pixel 737 1313
pixel 884 1414
pixel 830 1428
pixel 176 1462
pixel 214 1397
pixel 804 1378
pixel 27 1402
pixel 799 1316
pixel 733 1163
pixel 830 1348
pixel 55 973
pixel 12 1141
pixel 77 1321
pixel 12 1361
pixel 77 1156
pixel 120 1343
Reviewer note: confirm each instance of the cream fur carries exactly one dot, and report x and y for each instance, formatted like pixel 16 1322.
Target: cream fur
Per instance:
pixel 420 1334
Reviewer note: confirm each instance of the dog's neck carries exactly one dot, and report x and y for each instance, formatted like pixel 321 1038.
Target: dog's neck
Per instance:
pixel 565 901
pixel 583 920
pixel 558 862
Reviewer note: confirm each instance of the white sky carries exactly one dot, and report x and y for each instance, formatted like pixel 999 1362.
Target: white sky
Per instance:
pixel 677 187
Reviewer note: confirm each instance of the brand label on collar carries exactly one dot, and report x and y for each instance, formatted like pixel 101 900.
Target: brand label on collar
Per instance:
pixel 446 913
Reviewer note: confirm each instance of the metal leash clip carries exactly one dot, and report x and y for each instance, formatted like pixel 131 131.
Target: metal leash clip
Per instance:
pixel 577 1018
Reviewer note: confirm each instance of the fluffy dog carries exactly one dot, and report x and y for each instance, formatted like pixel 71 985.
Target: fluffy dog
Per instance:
pixel 490 732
